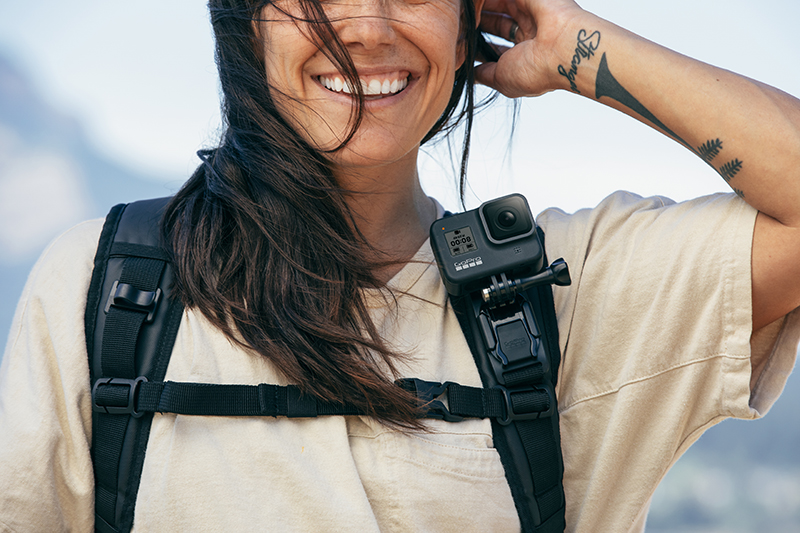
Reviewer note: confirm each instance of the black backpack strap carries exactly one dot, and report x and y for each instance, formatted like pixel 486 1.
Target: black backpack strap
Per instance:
pixel 136 397
pixel 131 325
pixel 530 446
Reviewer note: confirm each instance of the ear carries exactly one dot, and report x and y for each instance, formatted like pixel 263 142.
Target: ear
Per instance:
pixel 478 11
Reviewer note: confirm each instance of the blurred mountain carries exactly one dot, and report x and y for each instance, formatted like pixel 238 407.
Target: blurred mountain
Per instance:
pixel 51 177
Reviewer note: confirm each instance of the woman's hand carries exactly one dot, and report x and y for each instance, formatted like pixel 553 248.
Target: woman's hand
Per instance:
pixel 543 36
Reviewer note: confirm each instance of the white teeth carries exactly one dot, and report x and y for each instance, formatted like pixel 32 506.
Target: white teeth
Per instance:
pixel 373 88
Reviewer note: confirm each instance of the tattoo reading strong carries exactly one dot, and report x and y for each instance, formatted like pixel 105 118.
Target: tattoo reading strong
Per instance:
pixel 584 50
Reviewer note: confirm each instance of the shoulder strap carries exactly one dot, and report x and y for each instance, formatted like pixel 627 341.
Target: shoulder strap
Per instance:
pixel 131 325
pixel 529 446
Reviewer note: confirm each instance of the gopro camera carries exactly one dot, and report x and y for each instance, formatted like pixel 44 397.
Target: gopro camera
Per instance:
pixel 499 237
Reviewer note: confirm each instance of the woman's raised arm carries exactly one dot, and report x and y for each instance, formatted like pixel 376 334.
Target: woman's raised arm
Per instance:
pixel 747 131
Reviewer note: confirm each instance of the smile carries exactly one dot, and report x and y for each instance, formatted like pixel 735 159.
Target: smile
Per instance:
pixel 373 87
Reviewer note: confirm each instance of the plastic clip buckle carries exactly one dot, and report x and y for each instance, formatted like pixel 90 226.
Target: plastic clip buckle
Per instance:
pixel 127 296
pixel 133 388
pixel 428 392
pixel 512 416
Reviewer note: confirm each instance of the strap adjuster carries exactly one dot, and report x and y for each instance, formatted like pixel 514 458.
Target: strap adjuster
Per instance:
pixel 534 394
pixel 126 296
pixel 106 400
pixel 428 393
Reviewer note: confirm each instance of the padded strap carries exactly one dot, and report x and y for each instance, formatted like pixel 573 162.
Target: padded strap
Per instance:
pixel 131 325
pixel 120 334
pixel 530 449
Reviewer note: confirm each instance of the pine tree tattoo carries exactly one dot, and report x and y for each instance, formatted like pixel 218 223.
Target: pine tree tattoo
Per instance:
pixel 709 150
pixel 730 169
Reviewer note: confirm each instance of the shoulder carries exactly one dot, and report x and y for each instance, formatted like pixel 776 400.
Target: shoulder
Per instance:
pixel 44 377
pixel 648 275
pixel 58 283
pixel 629 212
pixel 70 256
pixel 650 233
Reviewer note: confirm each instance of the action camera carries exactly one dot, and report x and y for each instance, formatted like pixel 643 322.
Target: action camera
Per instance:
pixel 499 238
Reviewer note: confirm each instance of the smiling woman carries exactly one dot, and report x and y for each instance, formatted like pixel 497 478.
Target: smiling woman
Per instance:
pixel 415 44
pixel 300 250
pixel 404 62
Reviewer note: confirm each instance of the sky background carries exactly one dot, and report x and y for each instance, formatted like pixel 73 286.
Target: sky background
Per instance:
pixel 140 78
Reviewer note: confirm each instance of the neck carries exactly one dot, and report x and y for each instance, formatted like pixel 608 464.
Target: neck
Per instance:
pixel 391 211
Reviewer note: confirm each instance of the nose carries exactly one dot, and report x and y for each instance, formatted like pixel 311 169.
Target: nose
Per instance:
pixel 364 23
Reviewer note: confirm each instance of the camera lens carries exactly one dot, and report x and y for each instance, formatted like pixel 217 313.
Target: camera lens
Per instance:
pixel 506 218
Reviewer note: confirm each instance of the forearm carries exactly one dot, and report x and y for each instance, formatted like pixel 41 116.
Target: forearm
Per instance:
pixel 746 131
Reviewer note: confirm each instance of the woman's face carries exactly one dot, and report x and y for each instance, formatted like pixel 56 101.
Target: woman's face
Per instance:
pixel 406 53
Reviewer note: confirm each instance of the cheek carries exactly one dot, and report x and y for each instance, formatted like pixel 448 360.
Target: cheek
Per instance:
pixel 445 38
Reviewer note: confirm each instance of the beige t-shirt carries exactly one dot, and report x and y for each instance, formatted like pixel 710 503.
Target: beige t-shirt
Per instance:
pixel 654 332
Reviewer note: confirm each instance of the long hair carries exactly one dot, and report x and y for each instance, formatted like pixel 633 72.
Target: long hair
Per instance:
pixel 264 244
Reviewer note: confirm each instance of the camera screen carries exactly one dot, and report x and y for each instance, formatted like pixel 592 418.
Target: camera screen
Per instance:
pixel 460 241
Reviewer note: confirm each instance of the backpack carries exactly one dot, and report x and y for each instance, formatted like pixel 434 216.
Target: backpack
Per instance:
pixel 132 322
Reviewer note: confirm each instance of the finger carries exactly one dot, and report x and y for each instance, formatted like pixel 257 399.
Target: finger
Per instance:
pixel 498 48
pixel 498 6
pixel 485 74
pixel 501 25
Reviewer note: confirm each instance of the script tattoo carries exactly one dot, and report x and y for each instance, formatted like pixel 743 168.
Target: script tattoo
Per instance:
pixel 710 150
pixel 584 50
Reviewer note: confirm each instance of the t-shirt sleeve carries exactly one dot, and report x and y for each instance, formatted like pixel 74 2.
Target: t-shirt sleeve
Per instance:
pixel 658 284
pixel 46 478
pixel 655 333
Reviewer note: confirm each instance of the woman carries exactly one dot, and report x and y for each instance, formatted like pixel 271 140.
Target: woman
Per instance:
pixel 301 251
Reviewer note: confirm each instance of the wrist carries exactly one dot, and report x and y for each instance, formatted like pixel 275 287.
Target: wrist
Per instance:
pixel 577 55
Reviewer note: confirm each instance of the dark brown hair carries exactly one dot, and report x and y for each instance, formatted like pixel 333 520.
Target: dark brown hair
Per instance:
pixel 264 244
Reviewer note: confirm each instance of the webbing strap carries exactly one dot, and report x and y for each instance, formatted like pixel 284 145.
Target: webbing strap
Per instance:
pixel 210 399
pixel 541 447
pixel 106 458
pixel 120 334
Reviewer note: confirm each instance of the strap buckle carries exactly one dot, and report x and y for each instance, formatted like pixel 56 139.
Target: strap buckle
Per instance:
pixel 107 401
pixel 513 416
pixel 428 393
pixel 126 296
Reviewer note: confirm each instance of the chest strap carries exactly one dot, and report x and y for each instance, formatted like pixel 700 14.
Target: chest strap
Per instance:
pixel 448 401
